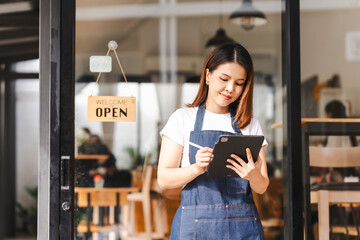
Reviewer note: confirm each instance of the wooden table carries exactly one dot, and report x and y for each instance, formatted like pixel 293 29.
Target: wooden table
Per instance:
pixel 100 157
pixel 321 120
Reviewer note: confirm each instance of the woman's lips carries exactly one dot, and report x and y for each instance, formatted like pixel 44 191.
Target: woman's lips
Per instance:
pixel 226 97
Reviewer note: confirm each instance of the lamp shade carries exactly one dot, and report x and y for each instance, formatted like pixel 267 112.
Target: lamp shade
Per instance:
pixel 247 16
pixel 219 38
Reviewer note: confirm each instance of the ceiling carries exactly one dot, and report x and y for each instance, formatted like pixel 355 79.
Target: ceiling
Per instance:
pixel 19 19
pixel 19 30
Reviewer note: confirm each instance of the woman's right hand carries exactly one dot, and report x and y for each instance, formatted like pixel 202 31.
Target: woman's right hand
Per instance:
pixel 202 159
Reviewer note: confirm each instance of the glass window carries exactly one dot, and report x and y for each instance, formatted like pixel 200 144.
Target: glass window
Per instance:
pixel 330 60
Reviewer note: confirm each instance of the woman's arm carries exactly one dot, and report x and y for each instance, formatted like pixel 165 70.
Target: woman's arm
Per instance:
pixel 256 173
pixel 170 175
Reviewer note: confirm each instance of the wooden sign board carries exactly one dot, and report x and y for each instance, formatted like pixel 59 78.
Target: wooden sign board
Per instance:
pixel 111 109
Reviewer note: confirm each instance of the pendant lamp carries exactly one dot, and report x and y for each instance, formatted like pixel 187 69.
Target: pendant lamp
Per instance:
pixel 219 38
pixel 220 35
pixel 248 16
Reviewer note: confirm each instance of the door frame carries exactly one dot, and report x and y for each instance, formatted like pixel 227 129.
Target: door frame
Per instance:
pixel 56 158
pixel 292 162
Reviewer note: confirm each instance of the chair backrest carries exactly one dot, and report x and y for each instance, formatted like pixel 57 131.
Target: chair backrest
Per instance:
pixel 146 174
pixel 147 178
pixel 334 156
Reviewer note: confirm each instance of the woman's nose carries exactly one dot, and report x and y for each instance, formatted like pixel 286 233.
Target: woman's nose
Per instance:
pixel 229 86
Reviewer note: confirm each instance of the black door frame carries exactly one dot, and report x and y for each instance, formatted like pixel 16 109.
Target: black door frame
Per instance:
pixel 292 165
pixel 7 153
pixel 57 25
pixel 56 161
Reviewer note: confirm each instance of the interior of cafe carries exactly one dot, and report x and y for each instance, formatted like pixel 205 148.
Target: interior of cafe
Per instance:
pixel 158 60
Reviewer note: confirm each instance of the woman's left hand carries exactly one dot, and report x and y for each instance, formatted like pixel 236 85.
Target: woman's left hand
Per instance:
pixel 249 171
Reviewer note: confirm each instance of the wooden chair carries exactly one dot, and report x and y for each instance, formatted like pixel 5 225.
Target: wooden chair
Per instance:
pixel 146 197
pixel 333 193
pixel 95 198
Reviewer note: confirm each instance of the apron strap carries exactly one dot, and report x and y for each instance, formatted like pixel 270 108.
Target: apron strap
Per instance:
pixel 235 125
pixel 199 117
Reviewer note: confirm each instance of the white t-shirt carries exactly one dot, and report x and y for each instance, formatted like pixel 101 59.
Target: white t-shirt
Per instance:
pixel 182 122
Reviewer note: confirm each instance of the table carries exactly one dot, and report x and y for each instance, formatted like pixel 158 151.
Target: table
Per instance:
pixel 100 157
pixel 321 120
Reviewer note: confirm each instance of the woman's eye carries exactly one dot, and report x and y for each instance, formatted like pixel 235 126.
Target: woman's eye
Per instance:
pixel 223 79
pixel 239 84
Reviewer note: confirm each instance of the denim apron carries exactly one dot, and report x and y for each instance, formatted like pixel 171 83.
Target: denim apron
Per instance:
pixel 215 208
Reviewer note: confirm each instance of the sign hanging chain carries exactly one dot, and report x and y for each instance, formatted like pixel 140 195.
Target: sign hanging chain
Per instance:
pixel 112 46
pixel 117 58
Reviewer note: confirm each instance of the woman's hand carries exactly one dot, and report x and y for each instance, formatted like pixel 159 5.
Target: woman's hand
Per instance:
pixel 202 159
pixel 250 171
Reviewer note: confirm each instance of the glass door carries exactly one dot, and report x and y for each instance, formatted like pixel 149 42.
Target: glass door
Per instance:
pixel 97 167
pixel 162 53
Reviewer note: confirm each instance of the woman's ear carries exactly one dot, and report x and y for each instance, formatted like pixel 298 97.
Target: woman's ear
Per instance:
pixel 207 76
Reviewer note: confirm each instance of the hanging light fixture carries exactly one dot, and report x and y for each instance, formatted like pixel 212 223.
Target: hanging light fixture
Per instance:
pixel 220 36
pixel 248 16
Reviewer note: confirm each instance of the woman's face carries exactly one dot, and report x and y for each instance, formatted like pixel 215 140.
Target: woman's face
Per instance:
pixel 226 84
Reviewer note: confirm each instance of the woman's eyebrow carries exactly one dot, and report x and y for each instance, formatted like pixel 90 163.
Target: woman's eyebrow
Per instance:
pixel 241 79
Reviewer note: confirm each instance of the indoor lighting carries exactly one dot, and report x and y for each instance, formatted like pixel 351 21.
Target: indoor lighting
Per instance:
pixel 220 35
pixel 247 16
pixel 219 38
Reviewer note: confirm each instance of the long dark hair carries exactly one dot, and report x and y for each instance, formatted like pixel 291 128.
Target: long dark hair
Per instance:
pixel 242 108
pixel 337 110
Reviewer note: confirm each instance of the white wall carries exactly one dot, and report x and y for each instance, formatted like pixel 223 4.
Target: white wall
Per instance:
pixel 323 51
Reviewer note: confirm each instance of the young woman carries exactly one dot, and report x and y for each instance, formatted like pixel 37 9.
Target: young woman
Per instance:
pixel 215 208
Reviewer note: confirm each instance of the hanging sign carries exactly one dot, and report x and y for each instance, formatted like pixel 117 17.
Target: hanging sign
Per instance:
pixel 100 64
pixel 111 109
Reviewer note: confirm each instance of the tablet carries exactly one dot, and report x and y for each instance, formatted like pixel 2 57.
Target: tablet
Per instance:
pixel 232 144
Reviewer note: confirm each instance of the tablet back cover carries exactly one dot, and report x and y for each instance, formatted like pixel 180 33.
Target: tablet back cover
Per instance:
pixel 232 144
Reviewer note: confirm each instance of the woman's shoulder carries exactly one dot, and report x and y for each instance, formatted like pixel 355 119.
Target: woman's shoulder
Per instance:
pixel 186 112
pixel 254 122
pixel 253 125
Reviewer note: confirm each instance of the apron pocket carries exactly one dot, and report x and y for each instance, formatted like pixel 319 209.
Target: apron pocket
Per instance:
pixel 236 185
pixel 244 229
pixel 227 229
pixel 211 229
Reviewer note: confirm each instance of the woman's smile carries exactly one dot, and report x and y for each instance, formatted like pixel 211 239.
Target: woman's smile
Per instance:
pixel 225 96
